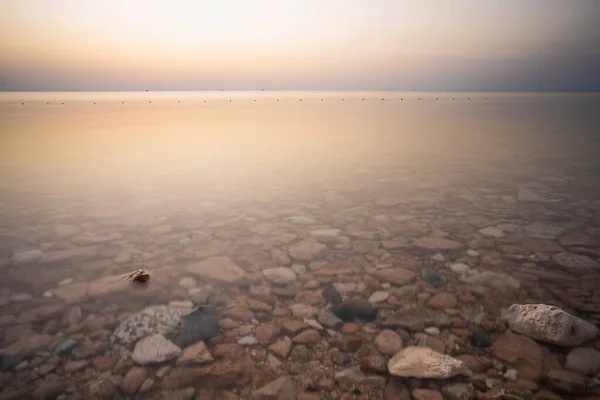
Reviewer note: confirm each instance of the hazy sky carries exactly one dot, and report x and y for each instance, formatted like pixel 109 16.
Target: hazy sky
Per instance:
pixel 299 44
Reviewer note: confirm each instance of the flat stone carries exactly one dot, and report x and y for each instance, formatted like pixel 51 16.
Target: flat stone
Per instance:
pixel 432 331
pixel 388 342
pixel 492 231
pixel 195 354
pixel 575 261
pixel 280 389
pixel 221 269
pixel 443 301
pixel 187 282
pixel 459 268
pixel 426 394
pixel 436 243
pixel 524 354
pixel 73 366
pixel 266 334
pixel 355 377
pixel 280 276
pixel 584 360
pixel 370 359
pixel 379 296
pixel 566 382
pixel 397 275
pixel 325 233
pixel 303 311
pixel 310 336
pixel 282 347
pixel 494 280
pixel 154 349
pixel 65 347
pixel 248 341
pixel 424 363
pixel 133 379
pixel 301 220
pixel 28 345
pixel 550 324
pixel 329 319
pixel 458 391
pixel 543 230
pixel 306 250
pixel 22 257
pixel 417 320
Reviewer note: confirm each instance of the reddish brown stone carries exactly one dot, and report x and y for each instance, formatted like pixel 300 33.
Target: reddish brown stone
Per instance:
pixel 292 327
pixel 282 347
pixel 133 379
pixel 426 394
pixel 310 336
pixel 442 301
pixel 266 334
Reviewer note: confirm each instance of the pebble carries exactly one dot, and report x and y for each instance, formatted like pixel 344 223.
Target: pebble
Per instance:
pixel 187 282
pixel 472 253
pixel 432 331
pixel 511 374
pixel 459 268
pixel 65 347
pixel 248 341
pixel 378 297
pixel 20 297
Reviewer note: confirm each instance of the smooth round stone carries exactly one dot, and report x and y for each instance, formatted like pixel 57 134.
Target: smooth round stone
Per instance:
pixel 248 341
pixel 432 331
pixel 386 285
pixel 459 268
pixel 187 282
pixel 472 253
pixel 48 294
pixel 378 297
pixel 65 282
pixel 492 231
pixel 438 257
pixel 21 297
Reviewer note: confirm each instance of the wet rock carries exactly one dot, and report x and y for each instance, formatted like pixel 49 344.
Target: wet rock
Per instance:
pixel 566 382
pixel 20 297
pixel 27 345
pixel 133 379
pixel 22 257
pixel 432 331
pixel 458 391
pixel 65 347
pixel 396 390
pixel 495 280
pixel 426 394
pixel 310 336
pixel 221 269
pixel 293 327
pixel 195 354
pixel 153 320
pixel 433 344
pixel 443 301
pixel 355 377
pixel 550 324
pixel 379 296
pixel 331 295
pixel 570 260
pixel 49 390
pixel 431 277
pixel 417 320
pixel 248 341
pixel 200 324
pixel 396 276
pixel 436 243
pixel 492 231
pixel 187 282
pixel 541 230
pixel 154 349
pixel 522 353
pixel 303 311
pixel 459 268
pixel 352 309
pixel 73 366
pixel 329 319
pixel 280 276
pixel 306 250
pixel 480 339
pixel 370 359
pixel 422 362
pixel 280 389
pixel 182 394
pixel 584 360
pixel 388 342
pixel 200 296
pixel 282 347
pixel 266 334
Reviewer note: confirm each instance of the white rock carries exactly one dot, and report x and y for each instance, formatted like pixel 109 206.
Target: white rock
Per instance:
pixel 26 256
pixel 511 374
pixel 248 341
pixel 386 285
pixel 378 297
pixel 459 268
pixel 424 363
pixel 439 257
pixel 584 360
pixel 298 269
pixel 432 331
pixel 549 324
pixel 154 349
pixel 66 281
pixel 280 276
pixel 495 280
pixel 492 231
pixel 187 282
pixel 472 253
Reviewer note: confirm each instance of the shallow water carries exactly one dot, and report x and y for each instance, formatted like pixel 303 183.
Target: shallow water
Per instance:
pixel 103 183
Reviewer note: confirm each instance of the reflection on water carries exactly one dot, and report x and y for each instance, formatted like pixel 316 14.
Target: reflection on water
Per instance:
pixel 410 196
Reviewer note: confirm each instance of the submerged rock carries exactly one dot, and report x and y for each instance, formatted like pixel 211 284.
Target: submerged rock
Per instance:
pixel 494 280
pixel 355 308
pixel 569 260
pixel 200 324
pixel 424 363
pixel 164 320
pixel 280 276
pixel 154 349
pixel 584 360
pixel 549 324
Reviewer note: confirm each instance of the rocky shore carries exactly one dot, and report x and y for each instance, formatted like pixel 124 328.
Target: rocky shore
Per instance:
pixel 485 294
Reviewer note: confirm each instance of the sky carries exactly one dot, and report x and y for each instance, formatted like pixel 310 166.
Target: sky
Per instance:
pixel 64 45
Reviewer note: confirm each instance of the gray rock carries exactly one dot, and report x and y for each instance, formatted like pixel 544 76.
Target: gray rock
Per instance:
pixel 542 230
pixel 181 394
pixel 329 319
pixel 492 231
pixel 200 324
pixel 458 391
pixel 154 349
pixel 21 257
pixel 424 363
pixel 570 260
pixel 549 324
pixel 494 280
pixel 584 360
pixel 280 276
pixel 153 320
pixel 65 347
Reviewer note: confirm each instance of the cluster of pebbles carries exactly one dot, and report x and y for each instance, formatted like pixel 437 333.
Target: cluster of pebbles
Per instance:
pixel 486 294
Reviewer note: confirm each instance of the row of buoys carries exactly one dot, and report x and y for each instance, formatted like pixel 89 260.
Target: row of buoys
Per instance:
pixel 343 99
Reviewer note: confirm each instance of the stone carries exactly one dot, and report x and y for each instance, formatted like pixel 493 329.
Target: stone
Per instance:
pixel 282 388
pixel 568 382
pixel 248 341
pixel 424 363
pixel 352 309
pixel 154 349
pixel 370 359
pixel 472 253
pixel 22 257
pixel 416 320
pixel 432 331
pixel 575 261
pixel 433 344
pixel 152 320
pixel 480 339
pixel 303 311
pixel 65 347
pixel 492 231
pixel 40 313
pixel 147 385
pixel 133 379
pixel 396 276
pixel 306 250
pixel 200 324
pixel 282 347
pixel 494 280
pixel 325 233
pixel 355 377
pixel 329 319
pixel 182 394
pixel 66 281
pixel 73 366
pixel 388 342
pixel 199 296
pixel 280 276
pixel 187 282
pixel 20 297
pixel 379 296
pixel 549 324
pixel 584 360
pixel 195 354
pixel 266 334
pixel 443 301
pixel 181 304
pixel 426 394
pixel 292 327
pixel 459 268
pixel 541 230
pixel 524 354
pixel 49 390
pixel 309 336
pixel 220 268
pixel 436 243
pixel 458 391
pixel 27 345
pixel 396 390
pixel 511 374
